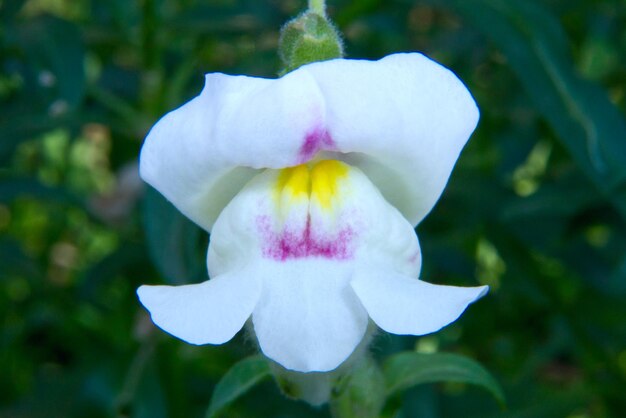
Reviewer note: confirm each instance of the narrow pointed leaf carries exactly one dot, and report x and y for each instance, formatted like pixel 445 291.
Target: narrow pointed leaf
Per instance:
pixel 408 369
pixel 579 112
pixel 237 381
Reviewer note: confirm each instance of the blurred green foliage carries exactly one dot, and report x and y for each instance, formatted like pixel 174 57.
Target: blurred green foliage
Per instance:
pixel 536 206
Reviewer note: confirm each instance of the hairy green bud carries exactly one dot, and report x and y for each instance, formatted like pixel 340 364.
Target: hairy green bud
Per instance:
pixel 309 37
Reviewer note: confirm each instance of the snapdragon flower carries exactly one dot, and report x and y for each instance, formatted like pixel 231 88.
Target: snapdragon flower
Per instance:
pixel 311 185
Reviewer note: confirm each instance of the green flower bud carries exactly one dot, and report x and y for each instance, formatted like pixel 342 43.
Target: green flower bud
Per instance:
pixel 308 38
pixel 360 393
pixel 313 388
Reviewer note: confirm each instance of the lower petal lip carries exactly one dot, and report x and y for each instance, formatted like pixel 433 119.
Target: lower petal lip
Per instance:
pixel 308 275
pixel 308 319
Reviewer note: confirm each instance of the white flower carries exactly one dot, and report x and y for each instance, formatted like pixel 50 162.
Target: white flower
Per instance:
pixel 311 185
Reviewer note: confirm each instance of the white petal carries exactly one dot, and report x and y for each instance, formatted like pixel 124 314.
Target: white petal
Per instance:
pixel 405 118
pixel 403 305
pixel 308 318
pixel 207 313
pixel 200 155
pixel 303 231
pixel 358 224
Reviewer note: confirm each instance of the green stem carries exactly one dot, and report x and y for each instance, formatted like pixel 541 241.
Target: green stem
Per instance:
pixel 318 6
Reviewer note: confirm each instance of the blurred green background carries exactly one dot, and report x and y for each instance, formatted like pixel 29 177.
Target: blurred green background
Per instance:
pixel 536 206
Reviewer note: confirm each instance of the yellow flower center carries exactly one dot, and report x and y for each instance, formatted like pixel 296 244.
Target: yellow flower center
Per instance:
pixel 317 182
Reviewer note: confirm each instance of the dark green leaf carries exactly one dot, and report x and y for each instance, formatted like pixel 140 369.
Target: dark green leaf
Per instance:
pixel 408 369
pixel 20 124
pixel 16 187
pixel 580 113
pixel 8 9
pixel 16 262
pixel 55 59
pixel 237 381
pixel 174 242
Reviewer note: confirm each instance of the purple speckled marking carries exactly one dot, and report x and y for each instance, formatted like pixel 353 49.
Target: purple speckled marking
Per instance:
pixel 302 244
pixel 317 140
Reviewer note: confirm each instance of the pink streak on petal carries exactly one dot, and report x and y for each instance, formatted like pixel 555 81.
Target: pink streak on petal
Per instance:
pixel 301 244
pixel 315 141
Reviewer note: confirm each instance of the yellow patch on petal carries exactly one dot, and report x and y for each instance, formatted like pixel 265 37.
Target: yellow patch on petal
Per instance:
pixel 294 181
pixel 325 176
pixel 318 182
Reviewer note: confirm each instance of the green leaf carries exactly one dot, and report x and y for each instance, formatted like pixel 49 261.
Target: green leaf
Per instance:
pixel 16 262
pixel 174 242
pixel 237 381
pixel 12 188
pixel 20 124
pixel 408 369
pixel 106 270
pixel 55 58
pixel 579 112
pixel 8 9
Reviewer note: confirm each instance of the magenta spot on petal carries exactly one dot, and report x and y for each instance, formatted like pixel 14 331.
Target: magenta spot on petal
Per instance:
pixel 301 244
pixel 315 141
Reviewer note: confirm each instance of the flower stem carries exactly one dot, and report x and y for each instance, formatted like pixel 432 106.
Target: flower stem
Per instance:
pixel 318 6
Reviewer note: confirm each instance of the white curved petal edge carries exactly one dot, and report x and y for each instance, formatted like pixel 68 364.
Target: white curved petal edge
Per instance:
pixel 211 312
pixel 407 306
pixel 201 154
pixel 308 318
pixel 403 120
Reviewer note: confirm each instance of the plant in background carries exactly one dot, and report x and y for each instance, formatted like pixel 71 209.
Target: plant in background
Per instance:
pixel 311 185
pixel 535 209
